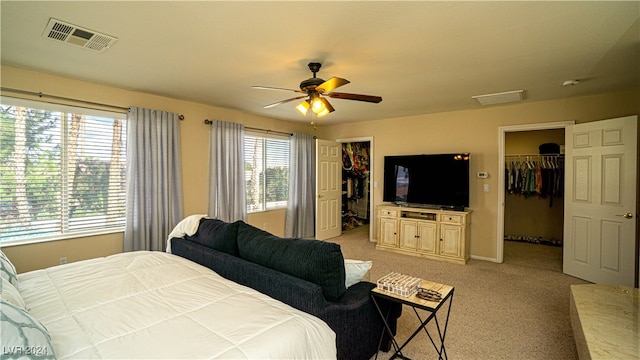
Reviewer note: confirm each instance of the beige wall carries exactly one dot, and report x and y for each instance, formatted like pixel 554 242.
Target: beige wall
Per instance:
pixel 475 131
pixel 271 221
pixel 528 142
pixel 45 254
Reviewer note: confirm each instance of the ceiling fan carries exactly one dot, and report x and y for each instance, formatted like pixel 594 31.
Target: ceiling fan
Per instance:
pixel 315 89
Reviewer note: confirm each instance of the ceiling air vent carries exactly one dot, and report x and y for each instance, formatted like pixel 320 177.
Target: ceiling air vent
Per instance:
pixel 500 98
pixel 75 35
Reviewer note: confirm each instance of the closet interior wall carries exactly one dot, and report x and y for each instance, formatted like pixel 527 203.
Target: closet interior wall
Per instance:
pixel 534 205
pixel 355 184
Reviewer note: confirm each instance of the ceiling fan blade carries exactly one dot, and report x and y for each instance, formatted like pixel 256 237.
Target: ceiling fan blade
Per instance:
pixel 277 88
pixel 283 101
pixel 331 84
pixel 358 97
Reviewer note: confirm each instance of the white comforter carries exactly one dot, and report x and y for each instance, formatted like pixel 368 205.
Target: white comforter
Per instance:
pixel 158 305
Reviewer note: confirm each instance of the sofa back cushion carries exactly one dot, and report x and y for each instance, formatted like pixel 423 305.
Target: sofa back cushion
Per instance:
pixel 218 235
pixel 316 261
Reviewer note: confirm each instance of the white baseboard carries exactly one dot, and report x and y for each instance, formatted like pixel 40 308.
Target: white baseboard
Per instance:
pixel 475 257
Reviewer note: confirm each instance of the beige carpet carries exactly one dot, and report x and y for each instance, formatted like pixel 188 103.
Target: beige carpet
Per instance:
pixel 533 255
pixel 515 310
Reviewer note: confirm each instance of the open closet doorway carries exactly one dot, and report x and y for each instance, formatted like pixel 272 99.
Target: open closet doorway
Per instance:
pixel 357 197
pixel 531 177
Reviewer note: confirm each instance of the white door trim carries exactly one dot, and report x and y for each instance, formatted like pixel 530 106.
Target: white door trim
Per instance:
pixel 502 130
pixel 371 169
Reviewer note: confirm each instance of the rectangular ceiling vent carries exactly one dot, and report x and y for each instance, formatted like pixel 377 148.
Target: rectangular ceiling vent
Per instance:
pixel 75 35
pixel 500 98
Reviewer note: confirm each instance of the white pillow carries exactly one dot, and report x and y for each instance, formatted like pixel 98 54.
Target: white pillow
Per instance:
pixel 7 270
pixel 356 271
pixel 9 293
pixel 23 337
pixel 186 226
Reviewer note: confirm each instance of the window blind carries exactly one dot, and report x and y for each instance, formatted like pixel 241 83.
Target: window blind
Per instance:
pixel 62 170
pixel 266 172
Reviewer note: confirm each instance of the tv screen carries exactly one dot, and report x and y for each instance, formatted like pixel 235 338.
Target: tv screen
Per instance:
pixel 436 180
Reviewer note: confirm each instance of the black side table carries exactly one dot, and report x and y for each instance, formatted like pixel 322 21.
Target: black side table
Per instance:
pixel 417 303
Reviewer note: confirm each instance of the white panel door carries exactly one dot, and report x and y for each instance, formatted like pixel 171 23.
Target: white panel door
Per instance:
pixel 600 201
pixel 328 189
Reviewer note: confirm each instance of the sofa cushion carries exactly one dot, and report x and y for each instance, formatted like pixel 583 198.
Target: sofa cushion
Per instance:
pixel 316 261
pixel 218 235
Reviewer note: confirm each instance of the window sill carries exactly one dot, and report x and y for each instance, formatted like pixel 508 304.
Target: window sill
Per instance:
pixel 267 210
pixel 9 243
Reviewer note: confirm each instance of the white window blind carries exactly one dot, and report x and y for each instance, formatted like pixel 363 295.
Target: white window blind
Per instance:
pixel 62 171
pixel 266 172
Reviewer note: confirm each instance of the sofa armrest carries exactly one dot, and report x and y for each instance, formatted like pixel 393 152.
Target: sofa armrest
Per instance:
pixel 355 316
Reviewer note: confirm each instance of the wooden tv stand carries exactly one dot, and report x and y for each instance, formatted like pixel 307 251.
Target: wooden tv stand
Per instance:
pixel 429 233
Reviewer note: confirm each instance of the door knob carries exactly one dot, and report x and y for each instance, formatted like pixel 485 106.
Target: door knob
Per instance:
pixel 626 215
pixel 320 196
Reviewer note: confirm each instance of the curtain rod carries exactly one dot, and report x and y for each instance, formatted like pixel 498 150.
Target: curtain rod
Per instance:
pixel 209 122
pixel 41 95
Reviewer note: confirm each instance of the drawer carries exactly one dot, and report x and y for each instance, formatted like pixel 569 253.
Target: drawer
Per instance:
pixel 388 212
pixel 451 219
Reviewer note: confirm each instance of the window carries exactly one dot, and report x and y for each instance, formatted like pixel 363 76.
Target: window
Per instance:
pixel 266 166
pixel 62 171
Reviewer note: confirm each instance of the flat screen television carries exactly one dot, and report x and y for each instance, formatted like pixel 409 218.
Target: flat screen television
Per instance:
pixel 433 180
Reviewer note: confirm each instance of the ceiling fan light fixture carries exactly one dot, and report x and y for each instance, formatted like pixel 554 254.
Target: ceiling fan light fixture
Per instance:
pixel 327 108
pixel 324 112
pixel 303 107
pixel 318 106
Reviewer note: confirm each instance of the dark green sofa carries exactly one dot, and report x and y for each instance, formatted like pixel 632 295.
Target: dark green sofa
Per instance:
pixel 306 274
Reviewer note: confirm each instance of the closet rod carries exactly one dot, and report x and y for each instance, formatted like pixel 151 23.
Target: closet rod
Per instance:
pixel 525 155
pixel 209 122
pixel 41 95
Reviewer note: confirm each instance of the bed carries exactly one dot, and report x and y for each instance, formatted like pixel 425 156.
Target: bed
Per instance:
pixel 158 305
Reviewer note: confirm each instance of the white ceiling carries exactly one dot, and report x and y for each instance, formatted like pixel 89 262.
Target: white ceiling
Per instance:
pixel 420 56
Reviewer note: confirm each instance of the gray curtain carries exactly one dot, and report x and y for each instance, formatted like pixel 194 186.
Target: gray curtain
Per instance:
pixel 154 178
pixel 227 199
pixel 300 219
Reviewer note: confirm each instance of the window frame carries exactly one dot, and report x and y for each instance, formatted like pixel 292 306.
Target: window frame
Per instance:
pixel 264 204
pixel 65 109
